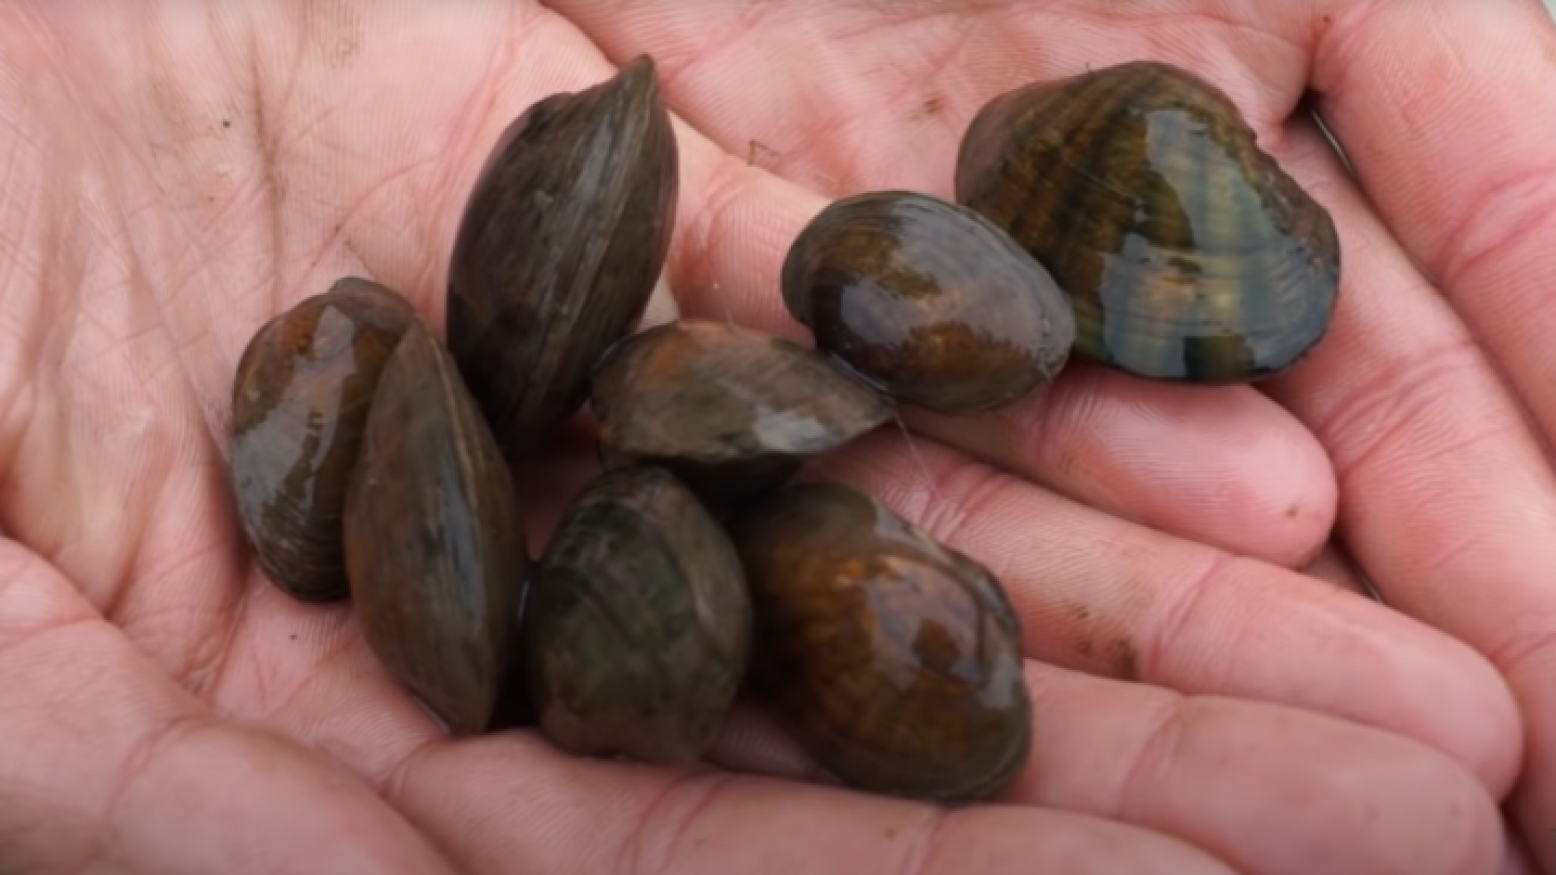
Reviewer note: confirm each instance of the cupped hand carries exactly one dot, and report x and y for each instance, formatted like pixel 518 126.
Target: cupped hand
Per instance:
pixel 176 173
pixel 1431 397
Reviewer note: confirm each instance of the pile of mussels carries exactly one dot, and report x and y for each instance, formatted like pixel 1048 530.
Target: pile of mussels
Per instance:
pixel 1126 214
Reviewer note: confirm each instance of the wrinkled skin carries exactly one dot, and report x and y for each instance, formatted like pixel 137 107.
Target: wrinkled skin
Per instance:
pixel 177 172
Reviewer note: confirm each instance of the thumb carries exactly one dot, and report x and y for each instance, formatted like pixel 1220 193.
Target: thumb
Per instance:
pixel 107 765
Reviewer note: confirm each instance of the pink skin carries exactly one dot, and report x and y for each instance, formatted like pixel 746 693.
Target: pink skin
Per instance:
pixel 177 172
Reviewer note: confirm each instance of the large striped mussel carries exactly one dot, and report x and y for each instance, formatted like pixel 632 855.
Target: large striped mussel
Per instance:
pixel 1189 254
pixel 1125 215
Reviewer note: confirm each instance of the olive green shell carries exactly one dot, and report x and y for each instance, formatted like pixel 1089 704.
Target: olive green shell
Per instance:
pixel 929 301
pixel 1188 252
pixel 559 248
pixel 638 625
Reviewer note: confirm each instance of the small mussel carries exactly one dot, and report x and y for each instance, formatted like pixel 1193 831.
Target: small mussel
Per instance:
pixel 559 248
pixel 929 301
pixel 893 660
pixel 733 412
pixel 638 626
pixel 435 547
pixel 300 400
pixel 1190 255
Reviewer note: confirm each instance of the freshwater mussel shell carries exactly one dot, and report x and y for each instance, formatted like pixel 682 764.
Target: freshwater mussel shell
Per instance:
pixel 300 401
pixel 929 301
pixel 893 660
pixel 638 626
pixel 559 248
pixel 1189 253
pixel 435 547
pixel 733 412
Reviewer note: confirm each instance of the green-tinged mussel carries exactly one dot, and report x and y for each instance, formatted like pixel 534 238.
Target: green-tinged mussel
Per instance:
pixel 300 401
pixel 1189 253
pixel 895 661
pixel 560 245
pixel 435 548
pixel 929 301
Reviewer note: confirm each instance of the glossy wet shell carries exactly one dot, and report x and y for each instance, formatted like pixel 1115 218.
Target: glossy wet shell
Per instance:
pixel 732 412
pixel 559 248
pixel 434 543
pixel 892 660
pixel 929 301
pixel 1189 253
pixel 299 403
pixel 638 627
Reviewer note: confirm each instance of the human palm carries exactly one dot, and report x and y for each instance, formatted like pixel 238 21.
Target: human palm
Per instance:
pixel 176 173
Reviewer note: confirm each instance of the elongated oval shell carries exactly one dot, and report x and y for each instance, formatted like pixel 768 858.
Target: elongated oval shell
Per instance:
pixel 894 661
pixel 1189 253
pixel 639 625
pixel 929 301
pixel 434 543
pixel 560 245
pixel 300 400
pixel 732 412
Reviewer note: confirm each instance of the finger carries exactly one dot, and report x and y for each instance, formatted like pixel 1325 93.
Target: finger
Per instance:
pixel 1223 466
pixel 1449 501
pixel 106 765
pixel 1217 774
pixel 1222 773
pixel 546 812
pixel 1102 595
pixel 1447 112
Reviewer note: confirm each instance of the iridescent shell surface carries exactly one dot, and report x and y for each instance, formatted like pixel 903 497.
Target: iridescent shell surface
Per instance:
pixel 1189 253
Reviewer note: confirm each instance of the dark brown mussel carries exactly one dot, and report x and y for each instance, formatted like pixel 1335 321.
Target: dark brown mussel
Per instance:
pixel 299 403
pixel 559 248
pixel 929 301
pixel 638 626
pixel 893 660
pixel 733 412
pixel 434 543
pixel 1189 253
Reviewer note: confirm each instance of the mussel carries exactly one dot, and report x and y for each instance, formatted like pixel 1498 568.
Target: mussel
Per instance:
pixel 928 300
pixel 1189 253
pixel 560 245
pixel 300 400
pixel 435 548
pixel 893 660
pixel 731 411
pixel 638 626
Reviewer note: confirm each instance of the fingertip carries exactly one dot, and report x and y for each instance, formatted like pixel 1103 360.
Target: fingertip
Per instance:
pixel 1223 466
pixel 504 804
